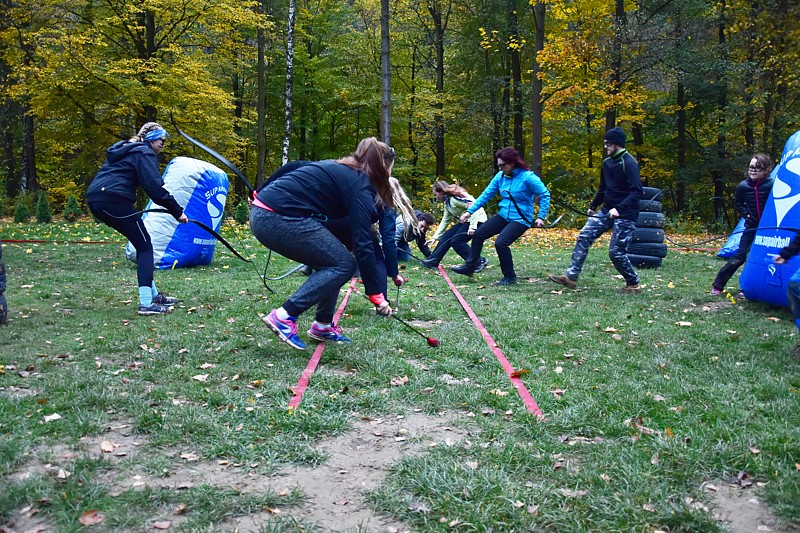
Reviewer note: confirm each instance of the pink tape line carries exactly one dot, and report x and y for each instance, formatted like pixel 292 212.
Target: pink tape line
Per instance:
pixel 527 399
pixel 302 384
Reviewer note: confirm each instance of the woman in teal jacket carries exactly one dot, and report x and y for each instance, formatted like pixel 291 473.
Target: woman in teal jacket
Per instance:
pixel 519 188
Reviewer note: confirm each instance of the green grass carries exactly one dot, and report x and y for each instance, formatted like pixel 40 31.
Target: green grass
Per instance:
pixel 721 396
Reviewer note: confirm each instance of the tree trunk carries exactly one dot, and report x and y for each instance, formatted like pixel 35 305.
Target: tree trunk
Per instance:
pixel 537 108
pixel 438 40
pixel 616 59
pixel 261 103
pixel 516 80
pixel 386 78
pixel 718 175
pixel 28 180
pixel 287 128
pixel 680 192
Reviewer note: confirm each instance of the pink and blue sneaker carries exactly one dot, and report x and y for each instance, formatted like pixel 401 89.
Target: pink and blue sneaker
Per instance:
pixel 286 330
pixel 331 333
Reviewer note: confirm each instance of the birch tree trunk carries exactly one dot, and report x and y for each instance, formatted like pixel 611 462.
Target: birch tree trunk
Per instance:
pixel 287 132
pixel 386 79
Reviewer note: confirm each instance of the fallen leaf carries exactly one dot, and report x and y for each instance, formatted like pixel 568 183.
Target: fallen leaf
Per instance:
pixel 206 366
pixel 773 319
pixel 754 450
pixel 180 509
pixel 107 446
pixel 649 507
pixel 533 509
pixel 419 507
pixel 398 381
pixel 521 372
pixel 683 323
pixel 658 398
pixel 189 456
pixel 161 525
pixel 498 392
pixel 518 504
pixel 51 418
pixel 341 502
pixel 89 518
pixel 200 377
pixel 567 493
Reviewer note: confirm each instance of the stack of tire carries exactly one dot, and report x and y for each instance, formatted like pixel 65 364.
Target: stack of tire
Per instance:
pixel 3 302
pixel 648 249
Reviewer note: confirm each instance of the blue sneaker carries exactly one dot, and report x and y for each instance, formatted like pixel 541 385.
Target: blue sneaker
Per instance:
pixel 332 333
pixel 286 330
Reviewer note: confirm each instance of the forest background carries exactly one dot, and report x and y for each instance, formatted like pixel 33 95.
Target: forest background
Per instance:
pixel 699 86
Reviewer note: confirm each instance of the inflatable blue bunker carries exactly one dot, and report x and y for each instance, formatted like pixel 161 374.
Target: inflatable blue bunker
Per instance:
pixel 201 188
pixel 761 278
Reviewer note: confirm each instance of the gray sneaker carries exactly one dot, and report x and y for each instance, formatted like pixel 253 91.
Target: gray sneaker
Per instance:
pixel 154 309
pixel 163 299
pixel 481 265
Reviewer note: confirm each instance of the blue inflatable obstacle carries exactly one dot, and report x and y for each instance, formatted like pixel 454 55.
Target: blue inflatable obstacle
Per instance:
pixel 761 278
pixel 202 189
pixel 731 246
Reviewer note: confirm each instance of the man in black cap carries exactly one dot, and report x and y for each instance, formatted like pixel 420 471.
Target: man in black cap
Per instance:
pixel 618 199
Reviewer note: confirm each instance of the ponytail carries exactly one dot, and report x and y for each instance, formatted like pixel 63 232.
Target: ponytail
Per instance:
pixel 374 158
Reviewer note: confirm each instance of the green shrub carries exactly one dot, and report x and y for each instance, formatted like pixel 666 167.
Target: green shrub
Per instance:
pixel 72 210
pixel 242 214
pixel 21 213
pixel 44 213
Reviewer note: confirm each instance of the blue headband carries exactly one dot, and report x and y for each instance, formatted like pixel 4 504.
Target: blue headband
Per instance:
pixel 156 134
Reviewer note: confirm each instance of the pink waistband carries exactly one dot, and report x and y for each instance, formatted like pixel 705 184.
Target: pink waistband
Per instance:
pixel 262 205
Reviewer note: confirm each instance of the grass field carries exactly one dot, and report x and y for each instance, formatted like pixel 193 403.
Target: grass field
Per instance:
pixel 654 404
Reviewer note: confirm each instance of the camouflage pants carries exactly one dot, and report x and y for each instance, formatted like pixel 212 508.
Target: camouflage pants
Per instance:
pixel 621 237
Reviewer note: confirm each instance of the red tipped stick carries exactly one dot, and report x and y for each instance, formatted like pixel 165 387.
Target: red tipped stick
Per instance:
pixel 433 343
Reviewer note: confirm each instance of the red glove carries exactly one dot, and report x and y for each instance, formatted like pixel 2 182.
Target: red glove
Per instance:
pixel 382 307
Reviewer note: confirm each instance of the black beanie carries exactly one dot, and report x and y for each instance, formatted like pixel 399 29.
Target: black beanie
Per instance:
pixel 615 136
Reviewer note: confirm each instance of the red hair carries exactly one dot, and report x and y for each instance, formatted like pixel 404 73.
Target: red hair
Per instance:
pixel 511 155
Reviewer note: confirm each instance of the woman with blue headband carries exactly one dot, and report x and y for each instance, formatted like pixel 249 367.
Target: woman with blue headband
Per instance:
pixel 111 197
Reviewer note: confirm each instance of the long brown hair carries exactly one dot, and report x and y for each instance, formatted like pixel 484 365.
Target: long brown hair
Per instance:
pixel 373 158
pixel 450 189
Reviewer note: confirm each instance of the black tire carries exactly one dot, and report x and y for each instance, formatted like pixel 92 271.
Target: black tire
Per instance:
pixel 2 277
pixel 650 206
pixel 648 235
pixel 647 219
pixel 648 248
pixel 3 309
pixel 645 261
pixel 651 193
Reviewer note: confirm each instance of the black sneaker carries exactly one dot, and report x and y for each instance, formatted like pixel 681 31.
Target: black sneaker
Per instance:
pixel 481 265
pixel 430 263
pixel 506 281
pixel 163 299
pixel 154 309
pixel 464 269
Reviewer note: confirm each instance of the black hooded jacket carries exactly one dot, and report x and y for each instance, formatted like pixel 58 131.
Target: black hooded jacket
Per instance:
pixel 127 166
pixel 750 198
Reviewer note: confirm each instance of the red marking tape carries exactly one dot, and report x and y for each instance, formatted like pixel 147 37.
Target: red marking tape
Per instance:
pixel 527 399
pixel 302 384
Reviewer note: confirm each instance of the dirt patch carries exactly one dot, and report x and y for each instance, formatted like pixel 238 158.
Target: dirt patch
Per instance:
pixel 743 511
pixel 358 461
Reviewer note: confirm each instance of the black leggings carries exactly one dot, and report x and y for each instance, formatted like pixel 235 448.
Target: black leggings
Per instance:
pixel 134 230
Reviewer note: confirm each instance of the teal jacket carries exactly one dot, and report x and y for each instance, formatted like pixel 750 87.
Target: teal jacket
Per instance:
pixel 525 187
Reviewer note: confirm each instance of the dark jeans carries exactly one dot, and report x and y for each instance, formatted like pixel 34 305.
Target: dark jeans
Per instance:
pixel 507 233
pixel 133 229
pixel 448 241
pixel 307 241
pixel 621 237
pixel 729 269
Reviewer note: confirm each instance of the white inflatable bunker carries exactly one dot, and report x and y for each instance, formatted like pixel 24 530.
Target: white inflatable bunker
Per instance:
pixel 761 278
pixel 202 189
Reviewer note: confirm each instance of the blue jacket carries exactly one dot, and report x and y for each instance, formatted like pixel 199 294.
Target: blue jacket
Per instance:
pixel 127 166
pixel 524 186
